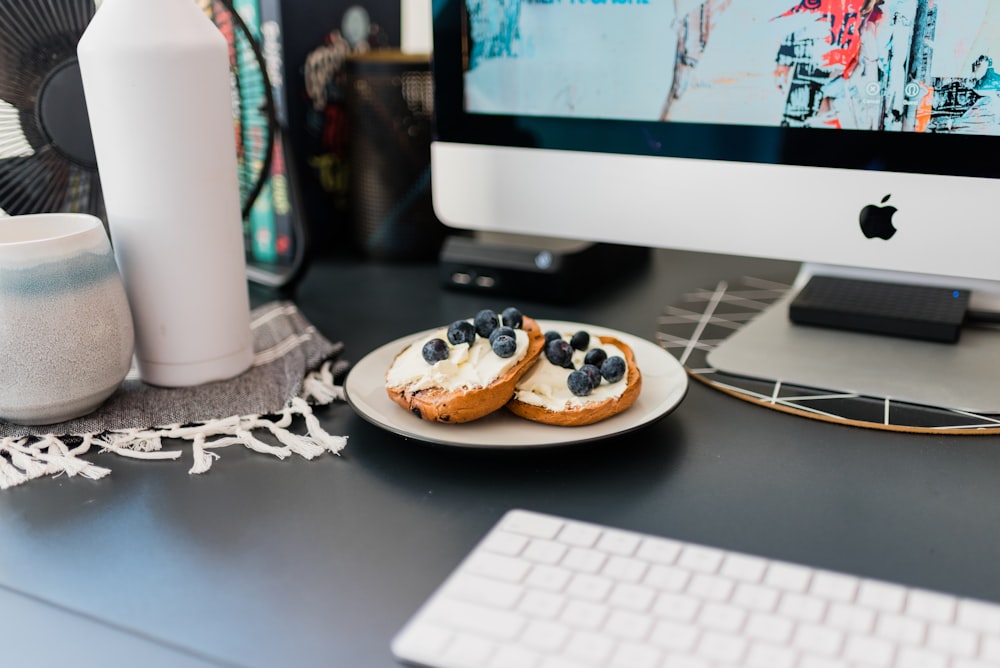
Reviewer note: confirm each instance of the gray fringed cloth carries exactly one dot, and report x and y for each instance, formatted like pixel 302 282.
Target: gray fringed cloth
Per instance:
pixel 294 369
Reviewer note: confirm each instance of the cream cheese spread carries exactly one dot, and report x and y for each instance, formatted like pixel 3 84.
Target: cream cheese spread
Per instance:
pixel 545 385
pixel 467 367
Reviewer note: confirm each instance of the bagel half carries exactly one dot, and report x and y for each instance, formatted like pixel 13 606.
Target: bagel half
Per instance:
pixel 453 406
pixel 584 411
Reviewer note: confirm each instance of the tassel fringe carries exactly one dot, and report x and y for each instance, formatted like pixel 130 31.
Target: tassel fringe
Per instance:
pixel 24 459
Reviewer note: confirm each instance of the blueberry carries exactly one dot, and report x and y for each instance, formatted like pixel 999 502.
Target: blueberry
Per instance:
pixel 552 335
pixel 595 356
pixel 502 330
pixel 461 331
pixel 613 369
pixel 560 353
pixel 435 350
pixel 579 384
pixel 486 321
pixel 593 373
pixel 512 317
pixel 504 346
pixel 580 340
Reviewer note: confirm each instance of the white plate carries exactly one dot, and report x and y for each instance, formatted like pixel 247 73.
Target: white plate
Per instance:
pixel 664 384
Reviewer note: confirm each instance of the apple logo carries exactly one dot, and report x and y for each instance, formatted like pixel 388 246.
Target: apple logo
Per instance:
pixel 876 221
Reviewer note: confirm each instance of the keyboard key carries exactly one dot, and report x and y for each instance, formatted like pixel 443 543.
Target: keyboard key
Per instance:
pixel 584 560
pixel 498 566
pixel 469 650
pixel 584 615
pixel 532 524
pixel 710 587
pixel 589 647
pixel 770 628
pixel 931 606
pixel 680 607
pixel 544 551
pixel 951 640
pixel 545 636
pixel 744 568
pixel 625 569
pixel 632 597
pixel 667 578
pixel 513 656
pixel 788 577
pixel 503 542
pixel 659 550
pixel 499 624
pixel 700 559
pixel 478 589
pixel 834 586
pixel 618 542
pixel 881 596
pixel 674 636
pixel 548 578
pixel 756 597
pixel 628 625
pixel 635 656
pixel 541 604
pixel 869 651
pixel 579 535
pixel 764 655
pixel 589 587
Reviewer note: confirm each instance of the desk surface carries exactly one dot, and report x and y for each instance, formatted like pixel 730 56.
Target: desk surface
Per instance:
pixel 265 563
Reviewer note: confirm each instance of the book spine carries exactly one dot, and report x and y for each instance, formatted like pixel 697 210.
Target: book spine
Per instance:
pixel 253 94
pixel 272 45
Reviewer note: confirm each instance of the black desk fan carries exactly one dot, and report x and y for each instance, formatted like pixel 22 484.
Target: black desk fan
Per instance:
pixel 47 157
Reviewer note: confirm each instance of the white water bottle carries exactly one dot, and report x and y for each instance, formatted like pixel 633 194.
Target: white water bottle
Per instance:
pixel 157 84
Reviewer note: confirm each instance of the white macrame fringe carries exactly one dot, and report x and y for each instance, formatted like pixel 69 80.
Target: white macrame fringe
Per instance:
pixel 22 459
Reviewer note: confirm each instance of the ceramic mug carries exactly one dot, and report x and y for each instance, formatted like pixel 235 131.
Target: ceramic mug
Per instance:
pixel 66 334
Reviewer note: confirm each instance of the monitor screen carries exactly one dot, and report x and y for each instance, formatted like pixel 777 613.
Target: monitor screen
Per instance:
pixel 855 134
pixel 830 64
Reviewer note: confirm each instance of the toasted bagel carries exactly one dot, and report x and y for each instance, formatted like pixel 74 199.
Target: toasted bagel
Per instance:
pixel 467 403
pixel 582 411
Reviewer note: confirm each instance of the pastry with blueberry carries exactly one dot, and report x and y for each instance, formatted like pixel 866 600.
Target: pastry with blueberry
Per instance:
pixel 579 379
pixel 466 370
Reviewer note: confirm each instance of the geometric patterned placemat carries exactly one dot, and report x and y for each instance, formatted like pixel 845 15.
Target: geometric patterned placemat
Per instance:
pixel 705 318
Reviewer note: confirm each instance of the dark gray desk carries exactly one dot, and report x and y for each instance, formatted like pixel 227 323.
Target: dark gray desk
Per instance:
pixel 295 563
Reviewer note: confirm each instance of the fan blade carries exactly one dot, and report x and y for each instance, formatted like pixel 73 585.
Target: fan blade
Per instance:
pixel 35 36
pixel 36 184
pixel 13 142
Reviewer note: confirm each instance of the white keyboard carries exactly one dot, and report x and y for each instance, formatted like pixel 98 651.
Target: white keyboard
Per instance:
pixel 540 591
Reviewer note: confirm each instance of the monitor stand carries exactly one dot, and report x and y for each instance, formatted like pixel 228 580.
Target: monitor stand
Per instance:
pixel 962 376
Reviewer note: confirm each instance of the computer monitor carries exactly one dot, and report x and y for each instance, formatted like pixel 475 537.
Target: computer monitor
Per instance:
pixel 749 127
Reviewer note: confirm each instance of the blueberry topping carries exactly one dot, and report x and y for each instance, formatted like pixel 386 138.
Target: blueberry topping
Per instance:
pixel 595 357
pixel 560 353
pixel 504 345
pixel 580 340
pixel 613 369
pixel 461 331
pixel 512 317
pixel 435 350
pixel 593 373
pixel 551 335
pixel 486 321
pixel 579 383
pixel 504 330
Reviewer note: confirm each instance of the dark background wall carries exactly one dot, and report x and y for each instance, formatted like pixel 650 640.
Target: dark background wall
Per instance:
pixel 317 137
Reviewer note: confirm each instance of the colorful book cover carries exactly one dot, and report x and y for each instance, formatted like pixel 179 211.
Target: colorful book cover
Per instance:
pixel 268 228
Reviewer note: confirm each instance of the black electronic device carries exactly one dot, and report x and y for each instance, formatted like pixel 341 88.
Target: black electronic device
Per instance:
pixel 931 313
pixel 543 270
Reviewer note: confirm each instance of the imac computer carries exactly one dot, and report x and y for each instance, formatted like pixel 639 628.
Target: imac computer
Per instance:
pixel 858 137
